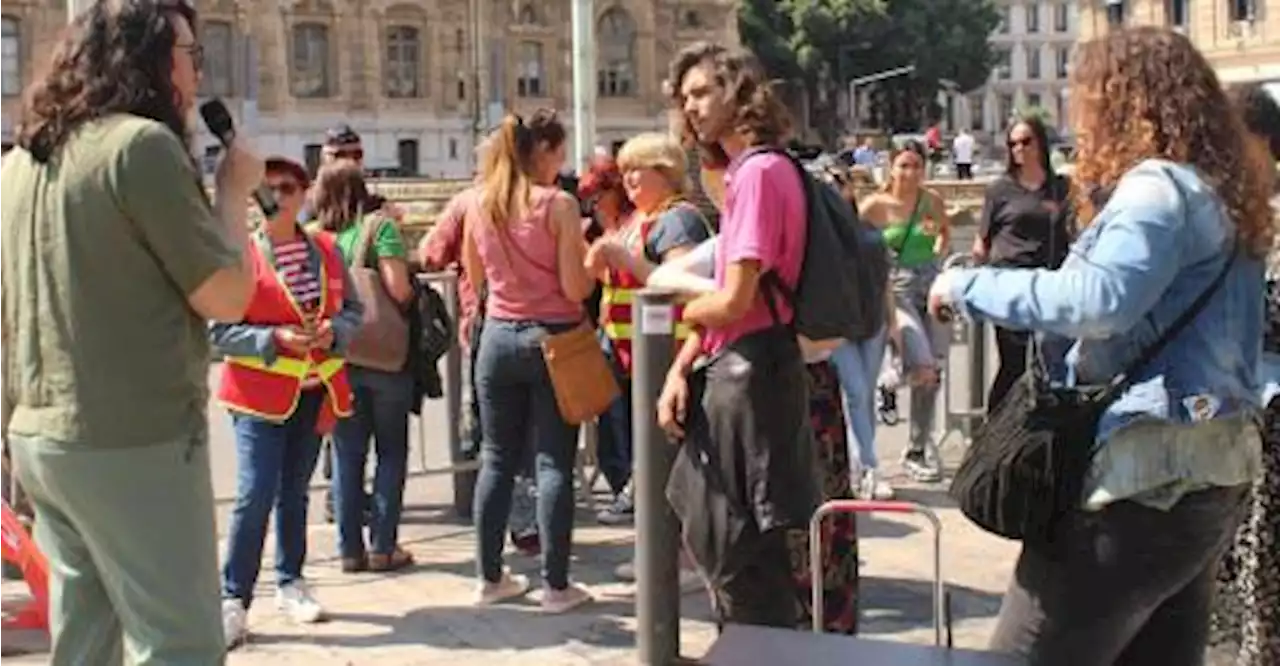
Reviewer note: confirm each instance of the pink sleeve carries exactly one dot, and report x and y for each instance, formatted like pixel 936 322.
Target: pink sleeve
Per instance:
pixel 752 229
pixel 442 247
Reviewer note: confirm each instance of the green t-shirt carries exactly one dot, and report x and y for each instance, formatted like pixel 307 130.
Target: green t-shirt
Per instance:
pixel 102 246
pixel 387 241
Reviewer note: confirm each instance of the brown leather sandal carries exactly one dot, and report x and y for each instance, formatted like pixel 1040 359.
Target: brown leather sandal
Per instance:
pixel 355 564
pixel 393 561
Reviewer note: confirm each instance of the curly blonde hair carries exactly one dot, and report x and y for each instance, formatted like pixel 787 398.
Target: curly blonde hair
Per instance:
pixel 1146 92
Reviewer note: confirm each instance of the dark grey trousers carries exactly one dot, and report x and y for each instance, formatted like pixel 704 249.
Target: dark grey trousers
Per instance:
pixel 1125 586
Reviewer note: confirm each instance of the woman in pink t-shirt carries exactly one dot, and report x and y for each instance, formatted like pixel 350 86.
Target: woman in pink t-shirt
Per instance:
pixel 523 242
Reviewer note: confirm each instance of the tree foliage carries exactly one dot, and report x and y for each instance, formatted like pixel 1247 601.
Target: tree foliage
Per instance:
pixel 823 44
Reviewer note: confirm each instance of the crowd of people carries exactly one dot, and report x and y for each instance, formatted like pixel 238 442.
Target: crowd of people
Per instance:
pixel 109 327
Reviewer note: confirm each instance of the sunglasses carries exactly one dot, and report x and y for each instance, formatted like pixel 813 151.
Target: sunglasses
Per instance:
pixel 1021 143
pixel 285 189
pixel 196 51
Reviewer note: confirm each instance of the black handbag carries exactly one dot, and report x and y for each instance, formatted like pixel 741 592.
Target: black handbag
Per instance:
pixel 1026 467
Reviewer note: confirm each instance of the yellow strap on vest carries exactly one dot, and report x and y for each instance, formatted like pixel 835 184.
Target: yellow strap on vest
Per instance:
pixel 617 296
pixel 289 367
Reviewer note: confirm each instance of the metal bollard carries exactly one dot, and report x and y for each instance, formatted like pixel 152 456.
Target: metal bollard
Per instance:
pixel 657 531
pixel 463 481
pixel 977 373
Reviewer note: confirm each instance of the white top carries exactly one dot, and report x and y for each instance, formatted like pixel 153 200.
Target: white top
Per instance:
pixel 962 148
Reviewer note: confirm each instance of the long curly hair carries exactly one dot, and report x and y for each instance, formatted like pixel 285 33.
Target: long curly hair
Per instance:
pixel 759 113
pixel 1145 92
pixel 116 57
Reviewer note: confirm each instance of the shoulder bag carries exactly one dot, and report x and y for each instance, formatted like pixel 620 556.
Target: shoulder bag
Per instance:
pixel 581 377
pixel 1027 465
pixel 382 340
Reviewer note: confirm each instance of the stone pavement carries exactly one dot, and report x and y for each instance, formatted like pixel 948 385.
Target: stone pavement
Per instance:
pixel 423 616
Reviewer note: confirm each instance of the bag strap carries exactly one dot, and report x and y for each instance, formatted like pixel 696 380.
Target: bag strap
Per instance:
pixel 364 244
pixel 1124 380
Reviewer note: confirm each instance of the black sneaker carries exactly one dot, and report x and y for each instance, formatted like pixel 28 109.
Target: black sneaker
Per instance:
pixel 887 406
pixel 918 466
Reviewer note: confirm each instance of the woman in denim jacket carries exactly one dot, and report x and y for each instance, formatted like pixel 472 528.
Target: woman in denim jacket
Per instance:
pixel 1130 577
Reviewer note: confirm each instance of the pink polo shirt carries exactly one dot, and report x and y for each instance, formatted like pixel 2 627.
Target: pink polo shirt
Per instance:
pixel 763 220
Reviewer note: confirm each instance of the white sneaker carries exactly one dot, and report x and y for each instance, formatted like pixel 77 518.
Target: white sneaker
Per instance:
pixel 873 488
pixel 620 511
pixel 509 586
pixel 563 601
pixel 235 623
pixel 295 601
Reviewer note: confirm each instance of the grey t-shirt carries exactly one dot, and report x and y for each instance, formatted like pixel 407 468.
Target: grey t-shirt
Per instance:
pixel 680 226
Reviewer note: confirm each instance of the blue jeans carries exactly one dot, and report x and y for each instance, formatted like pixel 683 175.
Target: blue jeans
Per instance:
pixel 274 465
pixel 858 365
pixel 382 405
pixel 614 449
pixel 518 404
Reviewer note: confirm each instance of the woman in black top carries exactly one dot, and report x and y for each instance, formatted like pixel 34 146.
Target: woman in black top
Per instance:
pixel 1024 225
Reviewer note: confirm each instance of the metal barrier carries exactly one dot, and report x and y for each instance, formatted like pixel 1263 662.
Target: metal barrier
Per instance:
pixel 974 334
pixel 462 469
pixel 657 530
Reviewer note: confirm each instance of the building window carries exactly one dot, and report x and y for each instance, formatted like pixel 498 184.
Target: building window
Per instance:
pixel 216 78
pixel 616 37
pixel 1243 10
pixel 311 76
pixel 462 88
pixel 404 62
pixel 460 41
pixel 530 80
pixel 1175 13
pixel 691 20
pixel 1116 12
pixel 1062 61
pixel 1033 62
pixel 527 15
pixel 1062 17
pixel 1004 109
pixel 311 155
pixel 12 72
pixel 1005 14
pixel 978 112
pixel 1004 64
pixel 453 149
pixel 1034 101
pixel 1033 17
pixel 407 156
pixel 1062 109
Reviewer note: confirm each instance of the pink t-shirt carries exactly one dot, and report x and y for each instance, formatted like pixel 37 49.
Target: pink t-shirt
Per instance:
pixel 521 264
pixel 763 220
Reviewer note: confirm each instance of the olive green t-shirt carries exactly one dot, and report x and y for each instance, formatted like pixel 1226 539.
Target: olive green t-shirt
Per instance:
pixel 102 245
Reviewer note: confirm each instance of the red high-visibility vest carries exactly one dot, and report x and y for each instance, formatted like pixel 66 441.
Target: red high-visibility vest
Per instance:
pixel 271 391
pixel 617 294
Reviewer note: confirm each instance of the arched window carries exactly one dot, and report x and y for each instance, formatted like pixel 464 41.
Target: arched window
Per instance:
pixel 12 52
pixel 616 37
pixel 403 65
pixel 311 74
pixel 527 15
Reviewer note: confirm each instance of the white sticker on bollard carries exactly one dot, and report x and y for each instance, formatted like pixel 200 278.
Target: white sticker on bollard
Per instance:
pixel 657 320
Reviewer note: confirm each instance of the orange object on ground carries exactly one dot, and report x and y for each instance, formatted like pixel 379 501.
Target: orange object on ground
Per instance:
pixel 18 547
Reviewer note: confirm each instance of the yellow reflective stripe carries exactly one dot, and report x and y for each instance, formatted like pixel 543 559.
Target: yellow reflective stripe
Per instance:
pixel 329 367
pixel 292 367
pixel 617 296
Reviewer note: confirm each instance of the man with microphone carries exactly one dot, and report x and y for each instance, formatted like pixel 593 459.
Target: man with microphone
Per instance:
pixel 114 260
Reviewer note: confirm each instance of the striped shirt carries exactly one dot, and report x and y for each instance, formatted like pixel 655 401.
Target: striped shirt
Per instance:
pixel 293 265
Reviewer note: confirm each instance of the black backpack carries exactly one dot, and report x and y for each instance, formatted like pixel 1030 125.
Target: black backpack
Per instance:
pixel 845 270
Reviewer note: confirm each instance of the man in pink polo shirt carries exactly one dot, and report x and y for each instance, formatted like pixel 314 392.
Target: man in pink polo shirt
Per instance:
pixel 736 395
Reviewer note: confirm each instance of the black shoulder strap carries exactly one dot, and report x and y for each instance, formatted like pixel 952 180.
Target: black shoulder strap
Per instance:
pixel 1124 379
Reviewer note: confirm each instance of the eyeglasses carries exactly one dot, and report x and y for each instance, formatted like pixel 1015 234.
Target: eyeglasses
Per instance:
pixel 1021 143
pixel 196 51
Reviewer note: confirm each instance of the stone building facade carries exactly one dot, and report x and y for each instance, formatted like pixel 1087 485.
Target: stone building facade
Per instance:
pixel 419 79
pixel 1240 37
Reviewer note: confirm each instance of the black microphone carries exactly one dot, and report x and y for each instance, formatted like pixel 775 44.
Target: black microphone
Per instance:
pixel 218 119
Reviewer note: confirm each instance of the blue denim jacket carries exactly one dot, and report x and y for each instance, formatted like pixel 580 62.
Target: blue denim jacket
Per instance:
pixel 241 339
pixel 1156 245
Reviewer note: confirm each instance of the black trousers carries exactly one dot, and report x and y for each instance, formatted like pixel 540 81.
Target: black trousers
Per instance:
pixel 1011 347
pixel 764 592
pixel 1128 585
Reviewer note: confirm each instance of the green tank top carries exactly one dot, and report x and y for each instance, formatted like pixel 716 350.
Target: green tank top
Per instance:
pixel 909 240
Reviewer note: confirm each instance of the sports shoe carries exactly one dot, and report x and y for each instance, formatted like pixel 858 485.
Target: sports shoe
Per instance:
pixel 509 586
pixel 918 466
pixel 296 602
pixel 873 487
pixel 235 623
pixel 621 511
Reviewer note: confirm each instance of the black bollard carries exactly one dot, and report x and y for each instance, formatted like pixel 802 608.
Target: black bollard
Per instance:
pixel 657 531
